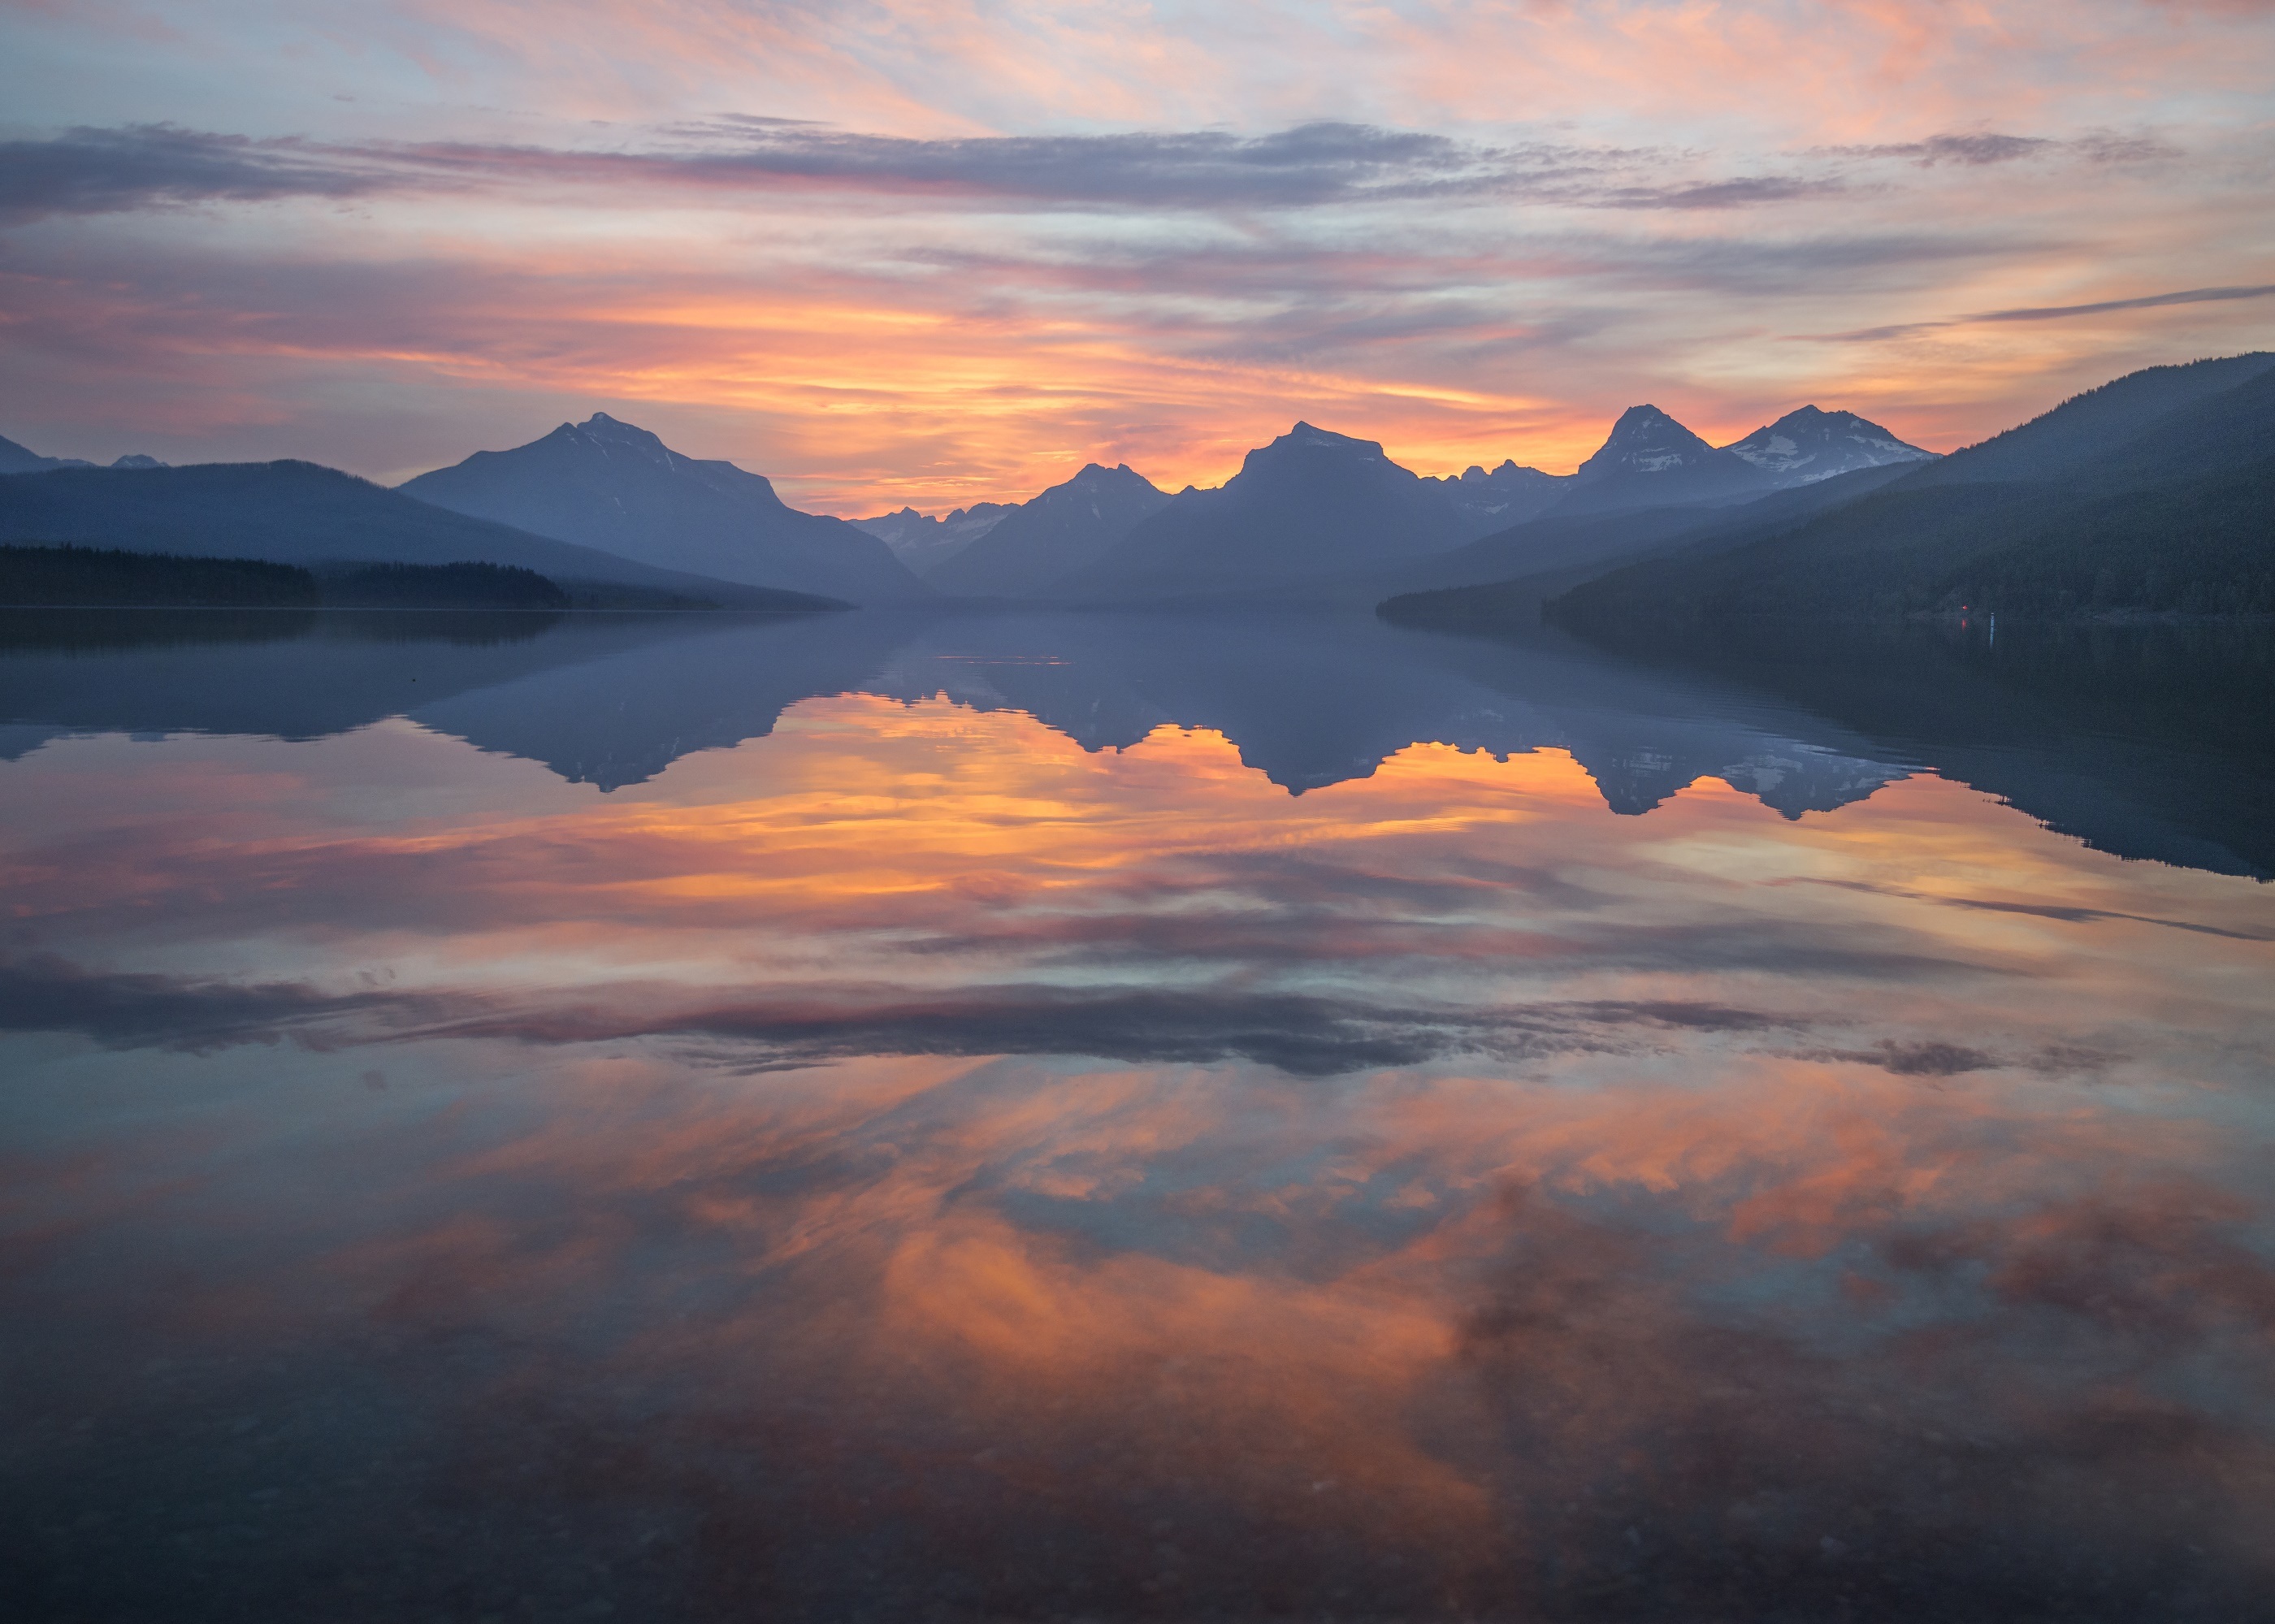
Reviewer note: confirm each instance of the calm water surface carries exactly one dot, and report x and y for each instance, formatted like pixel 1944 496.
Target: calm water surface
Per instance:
pixel 1108 1117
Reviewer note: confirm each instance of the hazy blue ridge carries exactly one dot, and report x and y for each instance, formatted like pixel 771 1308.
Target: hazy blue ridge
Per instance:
pixel 1035 546
pixel 300 513
pixel 2094 425
pixel 2150 494
pixel 1549 555
pixel 1311 504
pixel 924 541
pixel 613 485
pixel 2177 515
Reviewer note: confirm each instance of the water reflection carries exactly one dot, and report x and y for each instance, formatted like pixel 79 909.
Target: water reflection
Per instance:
pixel 950 1134
pixel 2151 741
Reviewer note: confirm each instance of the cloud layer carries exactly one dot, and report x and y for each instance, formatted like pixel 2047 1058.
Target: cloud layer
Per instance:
pixel 949 253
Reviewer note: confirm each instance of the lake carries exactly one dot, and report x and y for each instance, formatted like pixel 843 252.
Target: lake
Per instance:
pixel 1055 1116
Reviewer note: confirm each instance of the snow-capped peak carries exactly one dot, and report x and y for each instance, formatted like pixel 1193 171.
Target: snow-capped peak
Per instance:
pixel 1808 444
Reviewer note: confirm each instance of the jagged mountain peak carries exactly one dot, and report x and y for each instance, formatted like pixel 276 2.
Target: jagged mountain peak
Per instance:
pixel 1808 443
pixel 1646 441
pixel 1054 532
pixel 607 434
pixel 615 485
pixel 1647 425
pixel 1306 444
pixel 1311 504
pixel 1119 474
pixel 1310 435
pixel 1510 494
pixel 1096 481
pixel 1650 459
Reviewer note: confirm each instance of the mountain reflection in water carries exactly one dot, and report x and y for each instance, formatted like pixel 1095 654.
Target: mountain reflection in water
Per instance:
pixel 871 1116
pixel 2153 742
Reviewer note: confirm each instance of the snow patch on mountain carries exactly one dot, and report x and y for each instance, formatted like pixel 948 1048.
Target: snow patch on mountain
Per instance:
pixel 1808 445
pixel 924 541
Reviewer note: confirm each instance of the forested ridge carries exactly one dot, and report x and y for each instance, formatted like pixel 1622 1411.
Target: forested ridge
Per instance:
pixel 38 576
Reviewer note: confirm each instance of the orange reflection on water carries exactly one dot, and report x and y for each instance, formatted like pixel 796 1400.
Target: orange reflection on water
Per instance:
pixel 1108 1170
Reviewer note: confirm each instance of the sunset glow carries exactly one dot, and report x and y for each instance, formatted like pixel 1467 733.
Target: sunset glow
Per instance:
pixel 939 253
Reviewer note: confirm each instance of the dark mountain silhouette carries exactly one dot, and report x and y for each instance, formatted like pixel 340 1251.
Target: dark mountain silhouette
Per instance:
pixel 294 512
pixel 1527 564
pixel 1509 496
pixel 2154 493
pixel 1033 547
pixel 1808 445
pixel 22 459
pixel 1813 460
pixel 609 484
pixel 1311 504
pixel 2084 429
pixel 924 542
pixel 1649 460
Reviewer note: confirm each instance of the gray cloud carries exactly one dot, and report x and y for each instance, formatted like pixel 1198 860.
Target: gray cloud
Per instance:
pixel 1972 150
pixel 1310 165
pixel 1932 1058
pixel 1302 1034
pixel 2192 296
pixel 41 992
pixel 2043 910
pixel 2049 313
pixel 1739 192
pixel 89 170
pixel 1978 150
pixel 2079 916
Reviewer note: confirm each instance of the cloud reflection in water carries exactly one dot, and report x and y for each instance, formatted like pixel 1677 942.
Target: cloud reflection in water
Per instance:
pixel 911 1164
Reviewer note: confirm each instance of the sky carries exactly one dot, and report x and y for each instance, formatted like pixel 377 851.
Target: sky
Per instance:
pixel 945 251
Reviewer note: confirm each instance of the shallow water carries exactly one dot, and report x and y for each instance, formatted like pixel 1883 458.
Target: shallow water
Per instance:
pixel 1107 1117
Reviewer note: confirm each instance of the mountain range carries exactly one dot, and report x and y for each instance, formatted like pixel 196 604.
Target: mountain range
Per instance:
pixel 1509 494
pixel 1818 512
pixel 18 459
pixel 299 513
pixel 2154 493
pixel 1033 547
pixel 924 541
pixel 1328 514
